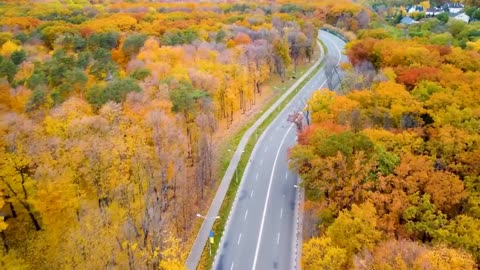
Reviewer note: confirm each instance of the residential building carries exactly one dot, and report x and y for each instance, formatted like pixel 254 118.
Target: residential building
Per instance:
pixel 462 17
pixel 408 21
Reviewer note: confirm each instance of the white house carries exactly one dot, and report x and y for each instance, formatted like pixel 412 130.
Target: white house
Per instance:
pixel 462 17
pixel 415 8
pixel 454 7
pixel 408 21
pixel 433 11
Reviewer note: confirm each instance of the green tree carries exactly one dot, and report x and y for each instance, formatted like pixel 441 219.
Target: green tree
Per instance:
pixel 103 66
pixel 140 74
pixel 83 59
pixel 58 66
pixel 133 43
pixel 37 99
pixel 423 219
pixel 115 90
pixel 387 161
pixel 347 143
pixel 7 69
pixel 184 97
pixel 177 37
pixel 443 17
pixel 107 41
pixel 38 78
pixel 18 57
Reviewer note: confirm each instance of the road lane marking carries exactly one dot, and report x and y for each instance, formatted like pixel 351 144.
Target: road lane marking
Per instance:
pixel 286 175
pixel 270 185
pixel 281 212
pixel 278 238
pixel 246 213
pixel 266 149
pixel 268 196
pixel 231 267
pixel 319 74
pixel 261 162
pixel 239 238
pixel 251 194
pixel 256 177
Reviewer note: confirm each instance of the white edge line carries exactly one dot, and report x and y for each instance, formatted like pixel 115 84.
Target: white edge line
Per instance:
pixel 268 196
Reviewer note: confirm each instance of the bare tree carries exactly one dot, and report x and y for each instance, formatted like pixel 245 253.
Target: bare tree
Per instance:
pixel 207 125
pixel 331 72
pixel 297 119
pixel 363 19
pixel 298 44
pixel 361 77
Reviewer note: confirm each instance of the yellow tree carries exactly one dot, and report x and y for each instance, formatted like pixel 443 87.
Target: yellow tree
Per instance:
pixel 8 48
pixel 356 229
pixel 3 224
pixel 321 253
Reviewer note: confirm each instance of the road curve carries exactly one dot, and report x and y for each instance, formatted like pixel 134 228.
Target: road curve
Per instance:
pixel 260 232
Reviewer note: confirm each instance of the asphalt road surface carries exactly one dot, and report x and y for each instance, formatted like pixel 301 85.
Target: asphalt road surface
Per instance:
pixel 260 232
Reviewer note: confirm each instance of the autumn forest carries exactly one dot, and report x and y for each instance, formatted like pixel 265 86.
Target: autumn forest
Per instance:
pixel 109 119
pixel 390 163
pixel 113 115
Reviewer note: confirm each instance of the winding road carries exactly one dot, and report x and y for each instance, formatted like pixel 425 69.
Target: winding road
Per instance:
pixel 260 233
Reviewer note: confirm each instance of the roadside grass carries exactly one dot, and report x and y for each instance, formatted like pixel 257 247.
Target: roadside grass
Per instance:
pixel 226 153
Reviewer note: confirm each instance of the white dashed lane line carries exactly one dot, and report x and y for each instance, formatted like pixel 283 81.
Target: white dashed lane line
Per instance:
pixel 239 239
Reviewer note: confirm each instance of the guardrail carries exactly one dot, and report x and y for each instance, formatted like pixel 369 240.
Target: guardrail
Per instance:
pixel 336 33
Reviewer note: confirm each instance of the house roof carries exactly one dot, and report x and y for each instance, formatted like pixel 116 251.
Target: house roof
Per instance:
pixel 407 20
pixel 454 5
pixel 463 17
pixel 414 8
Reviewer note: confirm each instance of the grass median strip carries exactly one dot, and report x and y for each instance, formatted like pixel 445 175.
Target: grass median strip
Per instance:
pixel 206 260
